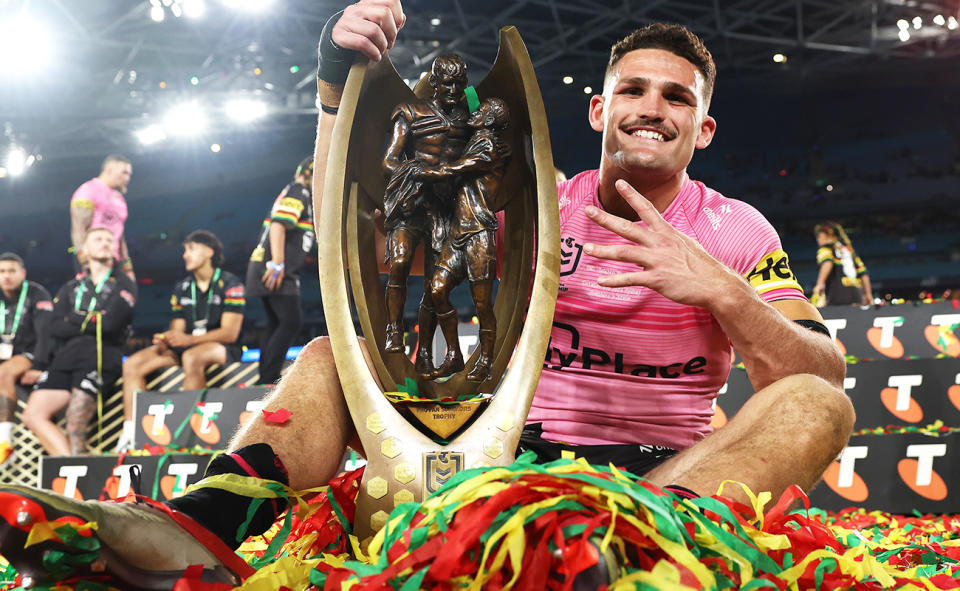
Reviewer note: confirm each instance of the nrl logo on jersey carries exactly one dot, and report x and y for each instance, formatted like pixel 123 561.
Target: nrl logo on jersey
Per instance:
pixel 570 252
pixel 439 467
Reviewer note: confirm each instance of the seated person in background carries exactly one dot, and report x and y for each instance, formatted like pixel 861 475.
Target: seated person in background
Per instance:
pixel 843 277
pixel 83 348
pixel 24 310
pixel 207 308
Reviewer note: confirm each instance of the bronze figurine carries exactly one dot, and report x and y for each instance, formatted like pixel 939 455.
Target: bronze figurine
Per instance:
pixel 469 248
pixel 424 133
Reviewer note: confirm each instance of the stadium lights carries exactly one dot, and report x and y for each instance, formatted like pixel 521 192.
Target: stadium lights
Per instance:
pixel 24 46
pixel 903 24
pixel 568 79
pixel 779 58
pixel 587 90
pixel 157 14
pixel 151 134
pixel 939 20
pixel 952 23
pixel 193 8
pixel 904 35
pixel 185 119
pixel 215 148
pixel 16 161
pixel 245 110
pixel 917 22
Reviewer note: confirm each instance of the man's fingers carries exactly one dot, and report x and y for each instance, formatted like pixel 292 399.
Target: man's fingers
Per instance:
pixel 640 204
pixel 637 278
pixel 627 253
pixel 616 224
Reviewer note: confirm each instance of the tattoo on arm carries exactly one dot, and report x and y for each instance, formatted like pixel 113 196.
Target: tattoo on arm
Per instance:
pixel 79 413
pixel 7 408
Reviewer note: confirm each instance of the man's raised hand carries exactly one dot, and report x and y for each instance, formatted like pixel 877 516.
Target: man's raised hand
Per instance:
pixel 370 27
pixel 671 263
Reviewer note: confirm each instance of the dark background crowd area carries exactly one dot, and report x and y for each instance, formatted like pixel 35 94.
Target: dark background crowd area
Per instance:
pixel 883 159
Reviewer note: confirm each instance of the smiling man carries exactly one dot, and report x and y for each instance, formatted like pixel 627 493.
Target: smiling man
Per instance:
pixel 661 278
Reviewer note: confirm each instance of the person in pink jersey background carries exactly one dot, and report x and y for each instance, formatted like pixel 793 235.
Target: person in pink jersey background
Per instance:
pixel 100 203
pixel 677 275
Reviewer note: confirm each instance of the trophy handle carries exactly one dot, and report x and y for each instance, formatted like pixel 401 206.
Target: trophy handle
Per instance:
pixel 403 464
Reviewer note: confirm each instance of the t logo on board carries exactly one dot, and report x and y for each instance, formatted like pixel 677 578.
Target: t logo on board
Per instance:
pixel 882 336
pixel 202 422
pixel 154 423
pixel 941 334
pixel 843 479
pixel 897 398
pixel 919 474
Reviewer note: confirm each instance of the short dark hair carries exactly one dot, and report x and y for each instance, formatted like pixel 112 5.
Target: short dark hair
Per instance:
pixel 676 39
pixel 10 256
pixel 207 238
pixel 114 158
pixel 305 167
pixel 448 64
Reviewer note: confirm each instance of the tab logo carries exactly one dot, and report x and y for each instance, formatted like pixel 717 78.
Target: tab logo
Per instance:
pixel 882 338
pixel 153 423
pixel 919 474
pixel 897 398
pixel 202 422
pixel 842 477
pixel 941 334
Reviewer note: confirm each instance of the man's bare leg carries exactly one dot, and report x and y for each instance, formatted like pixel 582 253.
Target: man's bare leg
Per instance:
pixel 196 359
pixel 135 371
pixel 41 407
pixel 80 412
pixel 787 433
pixel 311 444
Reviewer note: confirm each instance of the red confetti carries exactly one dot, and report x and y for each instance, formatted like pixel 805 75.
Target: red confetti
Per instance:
pixel 278 416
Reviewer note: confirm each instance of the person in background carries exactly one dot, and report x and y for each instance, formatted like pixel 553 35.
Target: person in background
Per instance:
pixel 207 309
pixel 273 273
pixel 82 351
pixel 842 278
pixel 100 203
pixel 25 308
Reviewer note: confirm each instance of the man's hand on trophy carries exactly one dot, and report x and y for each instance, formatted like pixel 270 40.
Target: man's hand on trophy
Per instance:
pixel 370 27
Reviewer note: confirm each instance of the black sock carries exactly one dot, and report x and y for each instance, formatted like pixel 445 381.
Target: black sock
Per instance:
pixel 223 512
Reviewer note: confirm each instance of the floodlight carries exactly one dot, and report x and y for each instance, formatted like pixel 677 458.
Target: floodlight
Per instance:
pixel 587 90
pixel 939 20
pixel 903 24
pixel 917 22
pixel 16 161
pixel 245 110
pixel 24 45
pixel 904 35
pixel 194 8
pixel 157 13
pixel 952 23
pixel 151 134
pixel 185 119
pixel 568 79
pixel 779 58
pixel 215 148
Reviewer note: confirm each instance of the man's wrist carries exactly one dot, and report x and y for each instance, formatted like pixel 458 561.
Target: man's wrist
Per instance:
pixel 275 266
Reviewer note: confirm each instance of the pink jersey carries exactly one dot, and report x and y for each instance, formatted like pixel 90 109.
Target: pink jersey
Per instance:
pixel 108 205
pixel 627 365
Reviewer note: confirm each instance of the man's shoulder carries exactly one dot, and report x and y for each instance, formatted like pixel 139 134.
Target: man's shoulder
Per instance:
pixel 181 286
pixel 708 207
pixel 413 110
pixel 89 191
pixel 229 280
pixel 37 291
pixel 124 282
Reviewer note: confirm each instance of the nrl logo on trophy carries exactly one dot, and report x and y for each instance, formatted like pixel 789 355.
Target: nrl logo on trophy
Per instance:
pixel 461 178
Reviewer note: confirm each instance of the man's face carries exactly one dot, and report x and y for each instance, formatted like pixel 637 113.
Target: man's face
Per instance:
pixel 449 89
pixel 118 175
pixel 479 117
pixel 195 255
pixel 99 245
pixel 11 275
pixel 652 113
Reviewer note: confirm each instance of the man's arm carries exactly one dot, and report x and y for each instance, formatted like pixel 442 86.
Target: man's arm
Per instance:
pixel 273 274
pixel 227 333
pixel 820 288
pixel 80 217
pixel 771 345
pixel 126 265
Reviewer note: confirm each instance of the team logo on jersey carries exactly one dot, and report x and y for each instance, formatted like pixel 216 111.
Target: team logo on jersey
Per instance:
pixel 439 467
pixel 235 292
pixel 570 252
pixel 773 272
pixel 128 297
pixel 45 305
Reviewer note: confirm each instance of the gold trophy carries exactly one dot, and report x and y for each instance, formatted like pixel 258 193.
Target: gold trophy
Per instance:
pixel 412 449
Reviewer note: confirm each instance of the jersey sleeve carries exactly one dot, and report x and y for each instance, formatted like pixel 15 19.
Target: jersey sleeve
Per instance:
pixel 84 196
pixel 234 295
pixel 825 253
pixel 760 258
pixel 289 206
pixel 176 310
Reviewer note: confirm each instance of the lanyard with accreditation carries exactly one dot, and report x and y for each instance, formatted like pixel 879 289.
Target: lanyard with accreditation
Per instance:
pixel 6 340
pixel 200 326
pixel 93 299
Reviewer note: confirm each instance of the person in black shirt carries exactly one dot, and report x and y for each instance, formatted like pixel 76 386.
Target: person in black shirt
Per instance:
pixel 82 350
pixel 842 277
pixel 207 309
pixel 273 271
pixel 25 307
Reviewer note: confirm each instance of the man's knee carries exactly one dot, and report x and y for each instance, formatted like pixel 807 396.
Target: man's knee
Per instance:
pixel 194 363
pixel 8 377
pixel 822 409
